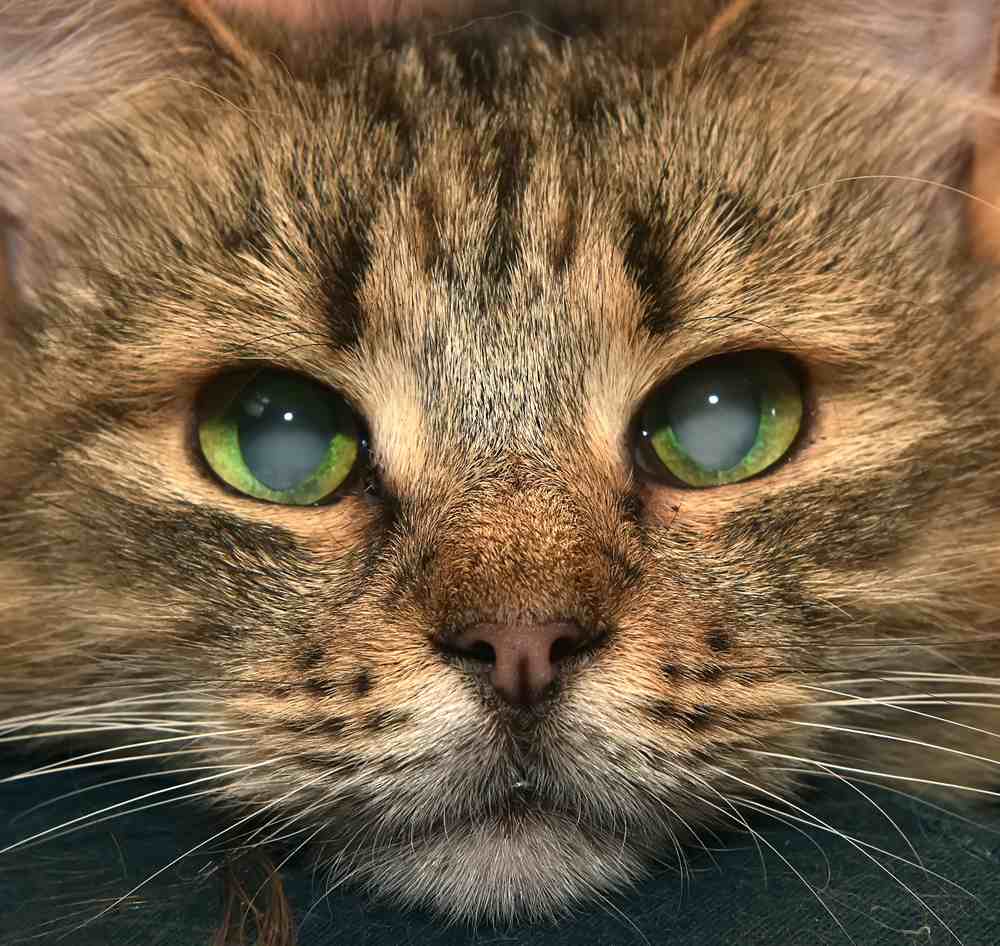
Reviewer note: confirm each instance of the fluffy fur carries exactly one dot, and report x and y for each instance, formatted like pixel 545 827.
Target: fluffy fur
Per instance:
pixel 496 237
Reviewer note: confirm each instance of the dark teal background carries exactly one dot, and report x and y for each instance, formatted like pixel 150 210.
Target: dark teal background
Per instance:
pixel 47 891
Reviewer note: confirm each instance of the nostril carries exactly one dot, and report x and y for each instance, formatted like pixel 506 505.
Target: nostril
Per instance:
pixel 478 650
pixel 481 651
pixel 564 647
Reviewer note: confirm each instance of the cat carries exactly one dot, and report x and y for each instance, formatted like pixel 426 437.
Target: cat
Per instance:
pixel 505 440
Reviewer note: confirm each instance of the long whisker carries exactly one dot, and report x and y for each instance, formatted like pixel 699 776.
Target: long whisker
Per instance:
pixel 103 754
pixel 119 805
pixel 761 839
pixel 909 796
pixel 892 737
pixel 919 676
pixel 822 826
pixel 176 697
pixel 197 847
pixel 734 813
pixel 904 178
pixel 69 827
pixel 102 785
pixel 863 847
pixel 989 793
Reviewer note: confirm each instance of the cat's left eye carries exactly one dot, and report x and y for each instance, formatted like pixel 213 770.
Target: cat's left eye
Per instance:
pixel 279 437
pixel 723 420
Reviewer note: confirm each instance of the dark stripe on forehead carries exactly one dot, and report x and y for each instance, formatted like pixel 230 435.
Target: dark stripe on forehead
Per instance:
pixel 252 231
pixel 345 269
pixel 645 247
pixel 478 65
pixel 656 237
pixel 504 244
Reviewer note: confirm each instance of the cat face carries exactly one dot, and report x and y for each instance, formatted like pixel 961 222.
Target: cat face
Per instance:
pixel 498 633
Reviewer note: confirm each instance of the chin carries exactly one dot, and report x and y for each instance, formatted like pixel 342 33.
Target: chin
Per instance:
pixel 529 868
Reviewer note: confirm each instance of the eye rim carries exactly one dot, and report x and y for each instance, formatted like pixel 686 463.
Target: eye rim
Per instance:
pixel 647 461
pixel 218 395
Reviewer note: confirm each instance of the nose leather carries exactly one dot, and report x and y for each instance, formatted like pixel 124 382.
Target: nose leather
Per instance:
pixel 523 658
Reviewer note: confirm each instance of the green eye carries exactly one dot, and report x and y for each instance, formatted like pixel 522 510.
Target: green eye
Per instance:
pixel 280 438
pixel 724 419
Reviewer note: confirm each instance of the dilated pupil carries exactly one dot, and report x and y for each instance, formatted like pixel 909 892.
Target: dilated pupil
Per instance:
pixel 284 431
pixel 715 416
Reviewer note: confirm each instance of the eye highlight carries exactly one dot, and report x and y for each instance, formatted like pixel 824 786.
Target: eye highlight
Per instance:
pixel 723 420
pixel 279 437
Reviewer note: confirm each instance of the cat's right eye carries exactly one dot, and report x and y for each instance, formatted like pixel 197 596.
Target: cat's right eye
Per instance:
pixel 279 437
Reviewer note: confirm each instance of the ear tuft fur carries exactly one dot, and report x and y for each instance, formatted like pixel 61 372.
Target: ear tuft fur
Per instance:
pixel 65 66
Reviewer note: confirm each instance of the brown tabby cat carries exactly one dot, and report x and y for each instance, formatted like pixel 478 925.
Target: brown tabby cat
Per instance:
pixel 502 443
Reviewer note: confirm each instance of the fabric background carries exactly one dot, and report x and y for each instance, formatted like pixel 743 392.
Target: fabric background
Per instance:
pixel 730 897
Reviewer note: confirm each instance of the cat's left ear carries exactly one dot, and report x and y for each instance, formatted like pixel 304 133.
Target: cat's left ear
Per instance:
pixel 955 43
pixel 948 49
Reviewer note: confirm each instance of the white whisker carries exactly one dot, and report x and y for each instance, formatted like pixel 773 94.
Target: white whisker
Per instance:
pixel 200 845
pixel 99 786
pixel 892 737
pixel 863 847
pixel 75 763
pixel 121 804
pixel 879 775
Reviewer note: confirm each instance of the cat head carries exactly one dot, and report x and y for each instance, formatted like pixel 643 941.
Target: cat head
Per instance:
pixel 497 262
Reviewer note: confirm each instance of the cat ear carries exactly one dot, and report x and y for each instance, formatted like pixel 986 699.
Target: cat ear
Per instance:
pixel 953 43
pixel 948 49
pixel 63 64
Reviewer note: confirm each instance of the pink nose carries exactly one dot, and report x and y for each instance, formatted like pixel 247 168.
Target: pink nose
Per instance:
pixel 523 658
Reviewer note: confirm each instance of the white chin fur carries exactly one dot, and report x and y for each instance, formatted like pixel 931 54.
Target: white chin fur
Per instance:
pixel 532 871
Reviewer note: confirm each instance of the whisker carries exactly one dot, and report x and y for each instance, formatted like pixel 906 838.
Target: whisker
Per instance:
pixel 733 814
pixel 761 839
pixel 858 845
pixel 118 805
pixel 919 676
pixel 616 912
pixel 70 827
pixel 879 775
pixel 199 846
pixel 905 699
pixel 904 178
pixel 159 773
pixel 75 763
pixel 863 847
pixel 168 697
pixel 892 737
pixel 909 796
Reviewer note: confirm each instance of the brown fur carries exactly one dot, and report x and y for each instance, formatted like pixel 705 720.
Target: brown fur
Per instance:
pixel 496 238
